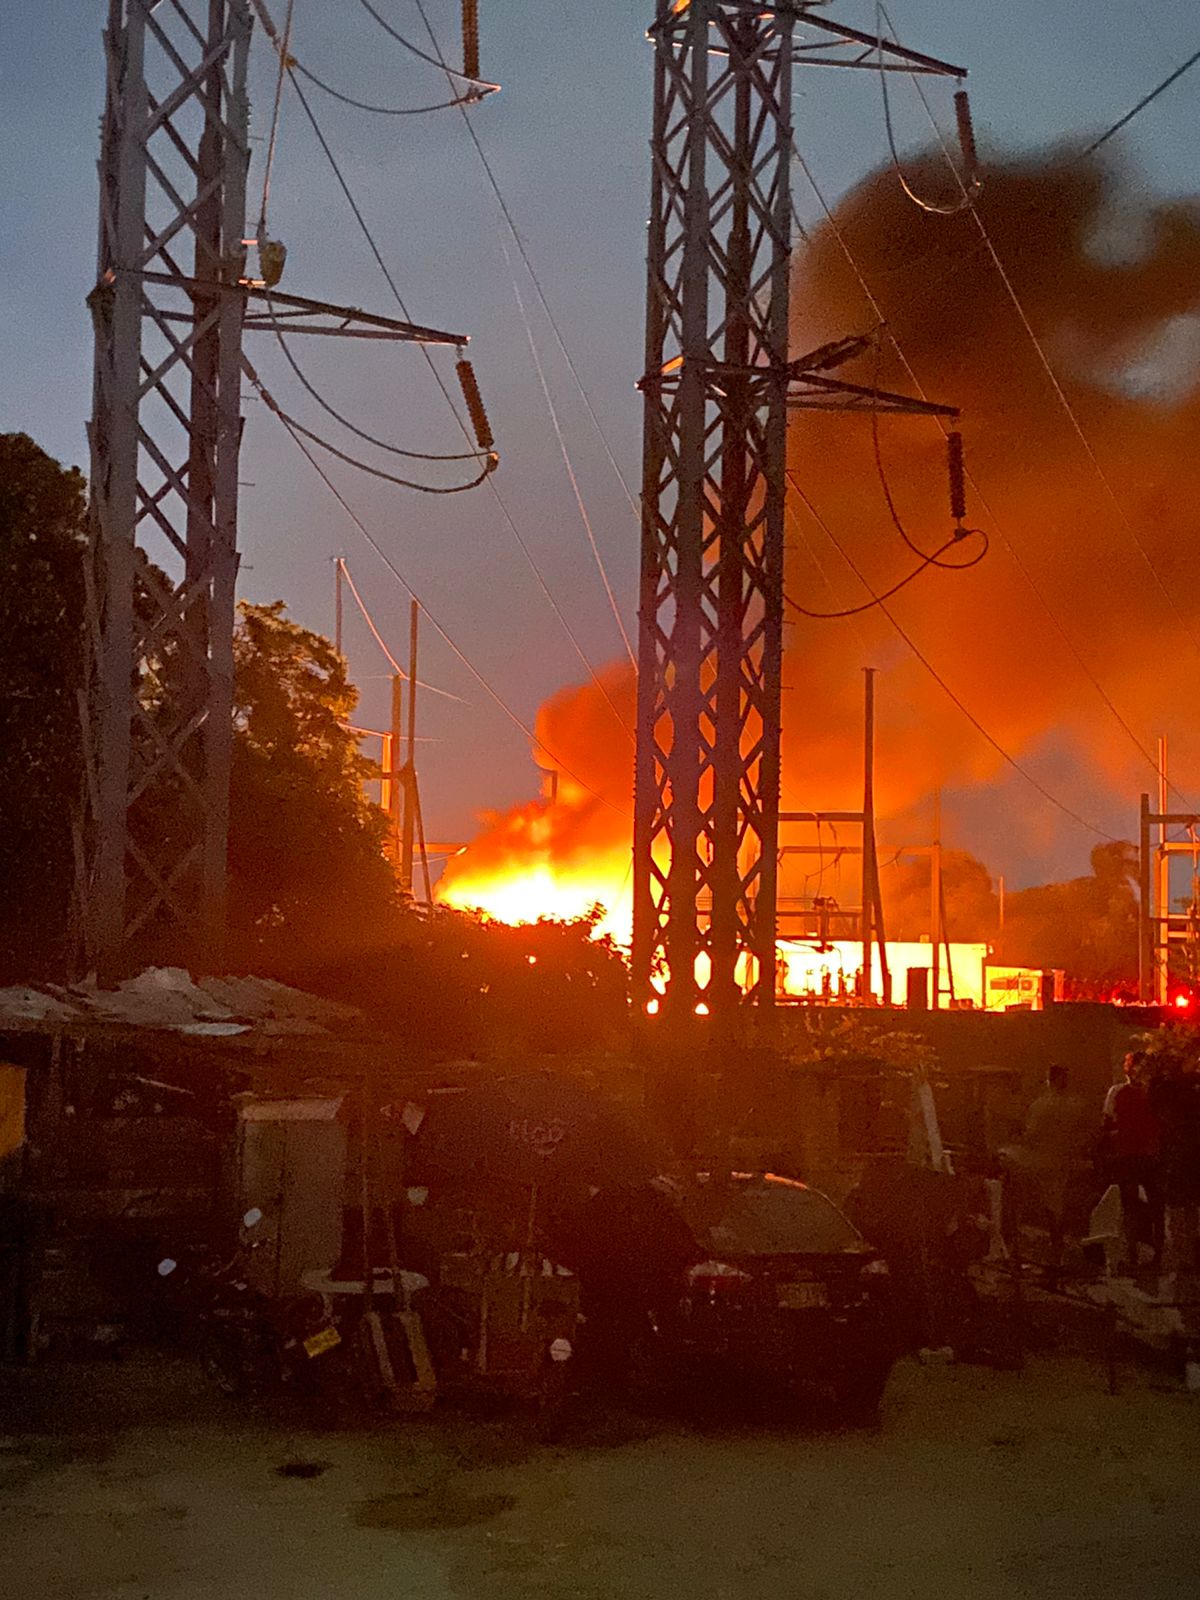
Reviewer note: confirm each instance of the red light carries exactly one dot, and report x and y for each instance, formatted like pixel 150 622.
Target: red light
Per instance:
pixel 1183 1001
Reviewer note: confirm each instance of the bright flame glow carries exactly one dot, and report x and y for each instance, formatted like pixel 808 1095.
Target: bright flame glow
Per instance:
pixel 526 890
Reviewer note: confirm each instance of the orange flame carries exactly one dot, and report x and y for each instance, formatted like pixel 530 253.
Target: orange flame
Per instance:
pixel 1109 283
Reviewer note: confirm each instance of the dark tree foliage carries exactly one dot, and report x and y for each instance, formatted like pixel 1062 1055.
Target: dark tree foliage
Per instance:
pixel 309 888
pixel 458 984
pixel 42 540
pixel 313 900
pixel 1086 926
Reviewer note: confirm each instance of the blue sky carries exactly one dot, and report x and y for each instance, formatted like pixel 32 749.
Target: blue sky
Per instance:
pixel 567 137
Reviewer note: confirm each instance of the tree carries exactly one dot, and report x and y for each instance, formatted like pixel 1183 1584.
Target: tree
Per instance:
pixel 310 891
pixel 1086 926
pixel 43 538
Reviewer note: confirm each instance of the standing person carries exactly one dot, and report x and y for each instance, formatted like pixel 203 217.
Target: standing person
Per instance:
pixel 1053 1153
pixel 1135 1140
pixel 1174 1097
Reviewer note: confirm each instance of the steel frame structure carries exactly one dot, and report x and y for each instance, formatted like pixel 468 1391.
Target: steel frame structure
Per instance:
pixel 1159 928
pixel 717 386
pixel 165 436
pixel 171 303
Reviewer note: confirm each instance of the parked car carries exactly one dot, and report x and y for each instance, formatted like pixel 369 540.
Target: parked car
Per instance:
pixel 782 1287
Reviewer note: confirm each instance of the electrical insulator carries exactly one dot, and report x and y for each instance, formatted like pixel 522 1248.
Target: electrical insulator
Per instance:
pixel 954 464
pixel 470 33
pixel 272 256
pixel 474 403
pixel 966 134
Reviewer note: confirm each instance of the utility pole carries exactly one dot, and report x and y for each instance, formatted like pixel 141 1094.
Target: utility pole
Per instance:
pixel 411 803
pixel 718 385
pixel 937 932
pixel 338 578
pixel 171 303
pixel 873 935
pixel 395 806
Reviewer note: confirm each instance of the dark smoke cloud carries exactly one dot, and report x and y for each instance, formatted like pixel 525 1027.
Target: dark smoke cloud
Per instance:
pixel 1109 280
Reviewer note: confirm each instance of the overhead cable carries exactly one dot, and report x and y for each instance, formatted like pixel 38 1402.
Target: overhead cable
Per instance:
pixel 939 679
pixel 385 111
pixel 382 444
pixel 957 475
pixel 1142 104
pixel 868 605
pixel 289 63
pixel 505 513
pixel 567 463
pixel 966 135
pixel 1012 550
pixel 272 404
pixel 537 742
pixel 509 220
pixel 1055 382
pixel 463 77
pixel 397 669
pixel 282 51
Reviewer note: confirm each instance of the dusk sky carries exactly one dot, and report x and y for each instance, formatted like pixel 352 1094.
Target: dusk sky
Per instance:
pixel 568 141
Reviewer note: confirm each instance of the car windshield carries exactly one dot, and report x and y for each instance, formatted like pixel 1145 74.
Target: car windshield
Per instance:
pixel 775 1217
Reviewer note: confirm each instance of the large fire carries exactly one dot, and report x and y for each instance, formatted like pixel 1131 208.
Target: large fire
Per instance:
pixel 566 854
pixel 1112 286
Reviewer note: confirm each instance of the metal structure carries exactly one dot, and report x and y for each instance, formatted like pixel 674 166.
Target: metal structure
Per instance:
pixel 718 386
pixel 165 433
pixel 1160 928
pixel 170 306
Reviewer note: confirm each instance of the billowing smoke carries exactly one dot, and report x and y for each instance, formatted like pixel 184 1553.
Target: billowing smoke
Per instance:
pixel 1109 280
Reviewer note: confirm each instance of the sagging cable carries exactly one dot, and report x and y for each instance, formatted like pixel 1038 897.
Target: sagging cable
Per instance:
pixel 295 427
pixel 970 182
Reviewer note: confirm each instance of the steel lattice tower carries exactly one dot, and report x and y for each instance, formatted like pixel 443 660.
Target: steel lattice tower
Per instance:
pixel 165 435
pixel 171 303
pixel 718 385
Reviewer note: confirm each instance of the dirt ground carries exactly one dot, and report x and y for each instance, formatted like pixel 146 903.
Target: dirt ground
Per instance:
pixel 130 1483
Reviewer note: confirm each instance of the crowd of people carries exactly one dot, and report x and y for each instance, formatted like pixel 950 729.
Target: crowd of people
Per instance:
pixel 1146 1141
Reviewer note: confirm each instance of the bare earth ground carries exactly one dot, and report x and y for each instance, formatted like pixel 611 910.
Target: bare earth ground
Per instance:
pixel 122 1483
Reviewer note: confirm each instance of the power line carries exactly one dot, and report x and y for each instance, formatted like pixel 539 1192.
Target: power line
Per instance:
pixel 480 83
pixel 365 466
pixel 506 214
pixel 868 605
pixel 1146 100
pixel 932 207
pixel 382 111
pixel 566 457
pixel 275 114
pixel 505 513
pixel 1012 550
pixel 382 444
pixel 397 669
pixel 937 676
pixel 1044 359
pixel 493 694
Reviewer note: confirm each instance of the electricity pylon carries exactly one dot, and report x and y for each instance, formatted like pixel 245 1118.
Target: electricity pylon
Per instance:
pixel 718 386
pixel 171 301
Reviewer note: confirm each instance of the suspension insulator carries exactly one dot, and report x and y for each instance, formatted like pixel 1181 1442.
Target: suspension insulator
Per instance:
pixel 966 134
pixel 474 403
pixel 470 34
pixel 954 465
